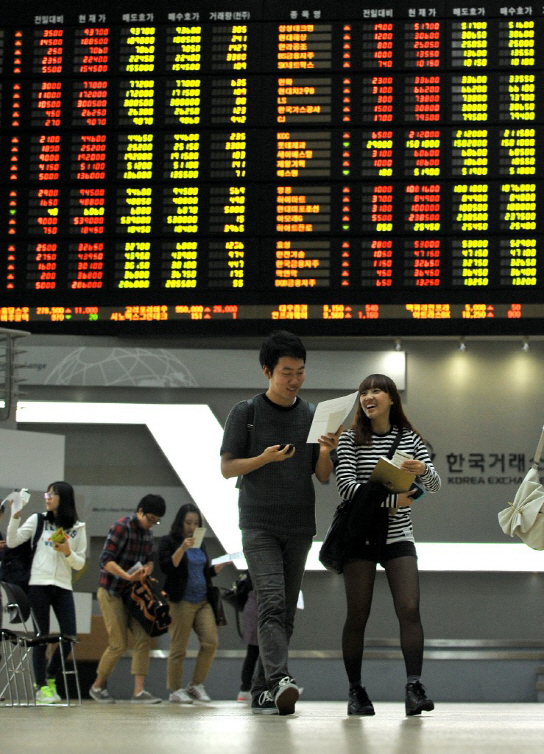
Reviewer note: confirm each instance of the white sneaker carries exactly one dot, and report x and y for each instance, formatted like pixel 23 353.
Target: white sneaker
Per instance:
pixel 244 697
pixel 198 692
pixel 180 697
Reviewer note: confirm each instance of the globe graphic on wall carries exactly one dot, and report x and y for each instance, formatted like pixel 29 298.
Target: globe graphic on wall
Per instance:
pixel 135 367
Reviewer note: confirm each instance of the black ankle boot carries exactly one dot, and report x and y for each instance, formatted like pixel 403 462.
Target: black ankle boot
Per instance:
pixel 359 703
pixel 416 699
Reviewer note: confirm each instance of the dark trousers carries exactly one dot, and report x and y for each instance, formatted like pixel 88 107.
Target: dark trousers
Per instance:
pixel 42 598
pixel 276 566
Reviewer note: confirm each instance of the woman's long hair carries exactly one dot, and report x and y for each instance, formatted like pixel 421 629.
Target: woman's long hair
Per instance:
pixel 362 426
pixel 177 527
pixel 66 513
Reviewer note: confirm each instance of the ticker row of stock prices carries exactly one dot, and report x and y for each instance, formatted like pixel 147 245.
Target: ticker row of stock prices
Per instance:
pixel 374 167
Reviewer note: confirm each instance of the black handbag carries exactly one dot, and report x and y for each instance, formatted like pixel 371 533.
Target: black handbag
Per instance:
pixel 333 549
pixel 214 598
pixel 362 516
pixel 148 605
pixel 237 595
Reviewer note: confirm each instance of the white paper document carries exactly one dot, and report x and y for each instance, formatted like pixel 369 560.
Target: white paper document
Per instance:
pixel 198 536
pixel 227 558
pixel 329 415
pixel 17 500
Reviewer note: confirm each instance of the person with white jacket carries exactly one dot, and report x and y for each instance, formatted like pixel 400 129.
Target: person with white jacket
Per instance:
pixel 50 584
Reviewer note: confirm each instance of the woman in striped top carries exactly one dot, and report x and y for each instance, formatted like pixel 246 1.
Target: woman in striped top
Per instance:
pixel 378 417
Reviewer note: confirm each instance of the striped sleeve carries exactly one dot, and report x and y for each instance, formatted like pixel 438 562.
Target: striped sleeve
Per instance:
pixel 356 463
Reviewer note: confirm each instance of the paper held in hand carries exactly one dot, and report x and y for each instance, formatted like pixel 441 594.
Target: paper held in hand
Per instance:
pixel 198 536
pixel 329 415
pixel 17 499
pixel 391 476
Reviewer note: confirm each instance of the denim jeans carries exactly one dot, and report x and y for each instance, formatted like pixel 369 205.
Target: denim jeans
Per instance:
pixel 42 598
pixel 276 566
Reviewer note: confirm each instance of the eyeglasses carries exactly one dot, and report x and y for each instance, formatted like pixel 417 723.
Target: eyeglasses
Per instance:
pixel 50 494
pixel 152 520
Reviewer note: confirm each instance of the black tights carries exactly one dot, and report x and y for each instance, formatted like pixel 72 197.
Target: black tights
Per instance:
pixel 403 578
pixel 248 668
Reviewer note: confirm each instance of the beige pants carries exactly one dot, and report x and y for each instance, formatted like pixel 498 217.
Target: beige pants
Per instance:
pixel 187 616
pixel 118 623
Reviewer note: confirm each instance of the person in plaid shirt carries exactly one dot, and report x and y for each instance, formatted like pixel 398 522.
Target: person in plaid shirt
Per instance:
pixel 129 543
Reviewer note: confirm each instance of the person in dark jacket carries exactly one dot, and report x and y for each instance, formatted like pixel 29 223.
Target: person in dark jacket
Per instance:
pixel 188 580
pixel 251 637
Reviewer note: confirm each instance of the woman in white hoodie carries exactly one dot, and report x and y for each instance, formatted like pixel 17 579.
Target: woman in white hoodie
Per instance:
pixel 50 584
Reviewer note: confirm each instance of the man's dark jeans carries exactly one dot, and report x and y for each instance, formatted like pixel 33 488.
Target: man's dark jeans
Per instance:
pixel 276 566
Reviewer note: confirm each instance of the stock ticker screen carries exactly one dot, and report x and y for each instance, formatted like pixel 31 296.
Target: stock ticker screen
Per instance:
pixel 224 167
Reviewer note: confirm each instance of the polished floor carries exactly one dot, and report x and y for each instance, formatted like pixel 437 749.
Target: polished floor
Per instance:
pixel 316 728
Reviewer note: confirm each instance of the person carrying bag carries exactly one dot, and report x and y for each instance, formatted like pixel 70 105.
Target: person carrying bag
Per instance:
pixel 362 516
pixel 382 533
pixel 192 600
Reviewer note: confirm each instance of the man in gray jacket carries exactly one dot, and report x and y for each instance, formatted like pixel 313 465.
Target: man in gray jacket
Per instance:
pixel 265 443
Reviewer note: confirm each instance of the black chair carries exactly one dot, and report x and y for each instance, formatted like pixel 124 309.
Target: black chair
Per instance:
pixel 19 637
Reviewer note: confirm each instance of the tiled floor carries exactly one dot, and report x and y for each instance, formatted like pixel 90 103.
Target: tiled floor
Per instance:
pixel 317 728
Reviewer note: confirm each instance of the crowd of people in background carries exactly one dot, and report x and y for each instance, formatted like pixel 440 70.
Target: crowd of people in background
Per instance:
pixel 264 445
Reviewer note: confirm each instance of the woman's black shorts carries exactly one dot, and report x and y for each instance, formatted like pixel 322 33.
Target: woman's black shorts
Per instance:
pixel 380 554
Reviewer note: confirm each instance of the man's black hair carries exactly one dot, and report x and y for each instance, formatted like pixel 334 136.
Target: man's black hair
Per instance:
pixel 281 343
pixel 153 504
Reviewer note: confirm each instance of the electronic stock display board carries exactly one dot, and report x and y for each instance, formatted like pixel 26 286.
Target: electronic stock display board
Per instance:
pixel 226 167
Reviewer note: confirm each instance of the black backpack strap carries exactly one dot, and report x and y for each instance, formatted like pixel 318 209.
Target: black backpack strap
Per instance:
pixel 38 532
pixel 249 423
pixel 250 419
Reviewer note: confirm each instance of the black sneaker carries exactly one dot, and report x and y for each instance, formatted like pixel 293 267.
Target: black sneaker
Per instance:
pixel 263 704
pixel 416 699
pixel 359 703
pixel 286 695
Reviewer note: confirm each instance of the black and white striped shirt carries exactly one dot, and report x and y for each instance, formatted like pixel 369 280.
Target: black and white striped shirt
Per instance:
pixel 356 463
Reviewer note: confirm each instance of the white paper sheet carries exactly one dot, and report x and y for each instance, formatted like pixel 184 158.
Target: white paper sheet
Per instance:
pixel 227 558
pixel 17 500
pixel 198 536
pixel 329 415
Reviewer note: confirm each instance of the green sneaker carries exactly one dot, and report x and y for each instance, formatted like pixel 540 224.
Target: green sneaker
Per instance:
pixel 44 695
pixel 53 686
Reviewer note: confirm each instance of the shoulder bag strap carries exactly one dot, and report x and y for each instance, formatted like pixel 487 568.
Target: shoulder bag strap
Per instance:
pixel 395 445
pixel 539 449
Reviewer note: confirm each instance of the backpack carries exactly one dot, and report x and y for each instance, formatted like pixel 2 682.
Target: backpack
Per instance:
pixel 17 562
pixel 149 606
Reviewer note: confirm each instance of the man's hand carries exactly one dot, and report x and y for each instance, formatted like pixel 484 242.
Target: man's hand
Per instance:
pixel 330 440
pixel 275 453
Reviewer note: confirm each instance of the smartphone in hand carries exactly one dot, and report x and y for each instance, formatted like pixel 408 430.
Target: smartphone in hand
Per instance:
pixel 418 491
